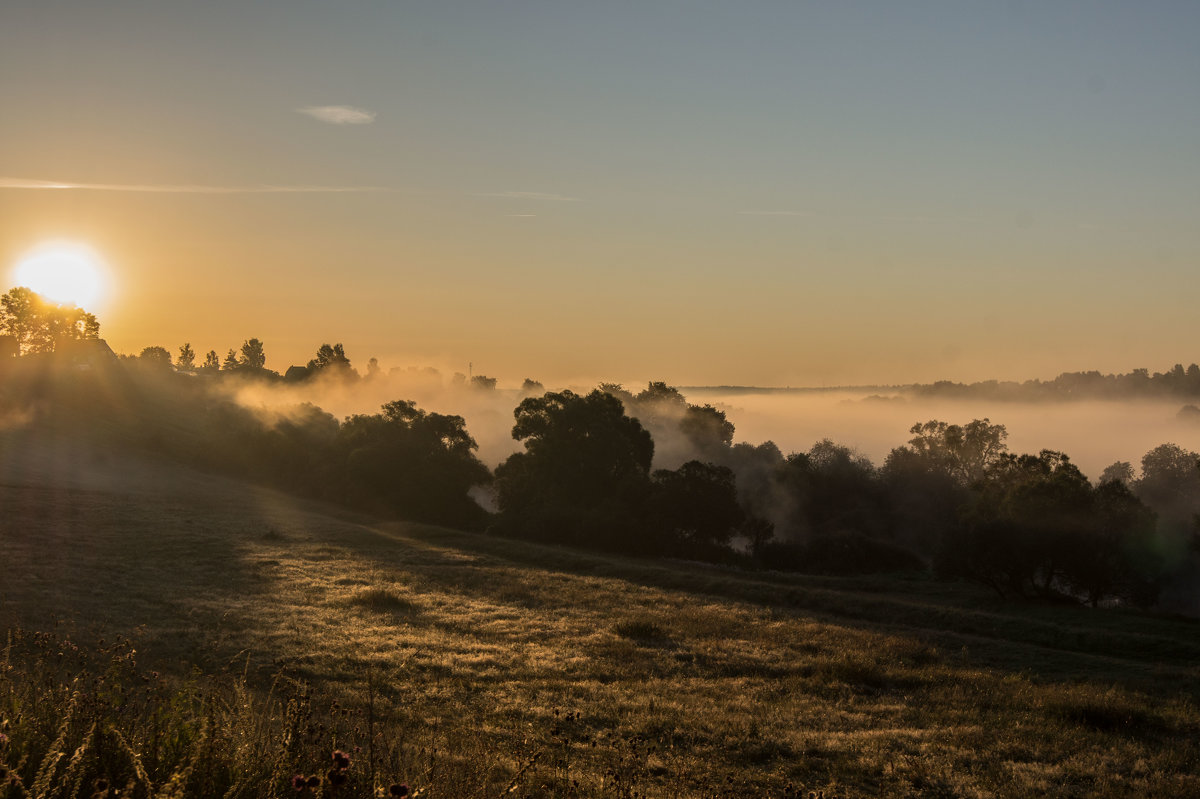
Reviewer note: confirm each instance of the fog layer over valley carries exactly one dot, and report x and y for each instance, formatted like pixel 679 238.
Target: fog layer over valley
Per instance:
pixel 872 421
pixel 1094 433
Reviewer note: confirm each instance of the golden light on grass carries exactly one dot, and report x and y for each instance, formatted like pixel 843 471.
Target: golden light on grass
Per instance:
pixel 65 272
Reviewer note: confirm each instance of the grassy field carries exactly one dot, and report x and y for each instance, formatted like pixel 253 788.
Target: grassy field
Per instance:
pixel 467 665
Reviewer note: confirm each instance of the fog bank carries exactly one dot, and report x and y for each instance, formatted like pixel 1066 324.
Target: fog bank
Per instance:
pixel 1094 433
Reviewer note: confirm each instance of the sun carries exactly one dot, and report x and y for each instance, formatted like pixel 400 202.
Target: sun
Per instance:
pixel 64 272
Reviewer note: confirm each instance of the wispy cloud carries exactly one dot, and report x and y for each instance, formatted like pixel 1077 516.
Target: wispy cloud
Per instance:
pixel 529 195
pixel 180 188
pixel 774 213
pixel 521 216
pixel 339 114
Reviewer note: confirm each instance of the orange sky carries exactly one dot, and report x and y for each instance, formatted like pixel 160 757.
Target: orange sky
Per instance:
pixel 772 196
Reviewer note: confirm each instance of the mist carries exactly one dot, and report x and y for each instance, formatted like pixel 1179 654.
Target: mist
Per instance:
pixel 1094 433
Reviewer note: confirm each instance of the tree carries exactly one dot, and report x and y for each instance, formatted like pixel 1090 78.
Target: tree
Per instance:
pixel 531 388
pixel 584 472
pixel 211 362
pixel 1117 472
pixel 1116 557
pixel 332 360
pixel 418 465
pixel 482 383
pixel 38 325
pixel 253 356
pixel 965 452
pixel 157 357
pixel 187 358
pixel 373 370
pixel 707 430
pixel 694 509
pixel 232 364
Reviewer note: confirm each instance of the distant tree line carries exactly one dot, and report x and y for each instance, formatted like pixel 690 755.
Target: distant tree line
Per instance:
pixel 1177 382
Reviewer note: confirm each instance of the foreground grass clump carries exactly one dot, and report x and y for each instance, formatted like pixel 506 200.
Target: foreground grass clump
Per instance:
pixel 92 722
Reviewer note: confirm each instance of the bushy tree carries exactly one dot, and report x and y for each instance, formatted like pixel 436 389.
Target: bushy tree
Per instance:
pixel 583 475
pixel 331 360
pixel 965 452
pixel 1037 527
pixel 38 325
pixel 483 383
pixel 157 357
pixel 694 510
pixel 253 356
pixel 415 464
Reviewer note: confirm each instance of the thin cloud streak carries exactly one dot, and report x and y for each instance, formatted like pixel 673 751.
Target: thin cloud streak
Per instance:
pixel 529 195
pixel 773 213
pixel 169 188
pixel 339 114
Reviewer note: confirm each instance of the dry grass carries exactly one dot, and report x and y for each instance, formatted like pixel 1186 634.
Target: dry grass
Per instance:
pixel 492 662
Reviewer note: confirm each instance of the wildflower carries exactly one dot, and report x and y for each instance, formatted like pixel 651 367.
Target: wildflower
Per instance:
pixel 313 782
pixel 299 782
pixel 335 777
pixel 341 760
pixel 399 789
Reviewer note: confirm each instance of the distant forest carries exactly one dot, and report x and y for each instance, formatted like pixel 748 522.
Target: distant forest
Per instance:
pixel 1176 383
pixel 952 501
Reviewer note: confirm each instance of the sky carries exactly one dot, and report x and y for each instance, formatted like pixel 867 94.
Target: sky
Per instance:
pixel 750 193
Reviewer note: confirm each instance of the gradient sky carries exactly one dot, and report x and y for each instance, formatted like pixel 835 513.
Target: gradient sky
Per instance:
pixel 772 193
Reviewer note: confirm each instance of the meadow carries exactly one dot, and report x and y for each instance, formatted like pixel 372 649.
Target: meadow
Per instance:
pixel 176 633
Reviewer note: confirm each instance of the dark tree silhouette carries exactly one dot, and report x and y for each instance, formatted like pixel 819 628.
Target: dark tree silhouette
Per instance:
pixel 1037 527
pixel 415 464
pixel 187 359
pixel 964 452
pixel 694 510
pixel 38 325
pixel 157 357
pixel 583 474
pixel 707 430
pixel 1117 472
pixel 332 360
pixel 253 356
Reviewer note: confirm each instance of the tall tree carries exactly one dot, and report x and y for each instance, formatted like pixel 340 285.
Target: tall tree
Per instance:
pixel 253 356
pixel 187 358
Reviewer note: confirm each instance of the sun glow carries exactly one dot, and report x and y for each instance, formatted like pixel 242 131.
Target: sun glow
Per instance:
pixel 64 272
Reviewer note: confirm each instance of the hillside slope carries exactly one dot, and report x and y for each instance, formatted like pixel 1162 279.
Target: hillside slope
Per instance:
pixel 676 678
